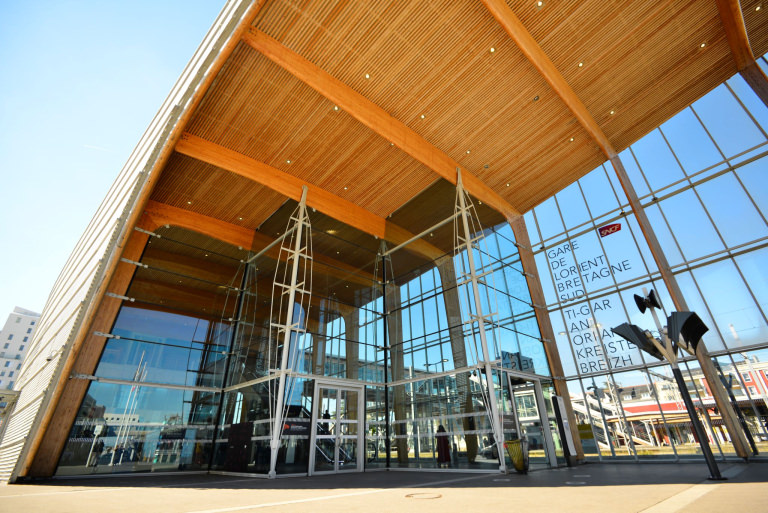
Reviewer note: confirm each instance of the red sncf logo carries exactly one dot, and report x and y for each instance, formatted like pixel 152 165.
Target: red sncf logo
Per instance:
pixel 609 229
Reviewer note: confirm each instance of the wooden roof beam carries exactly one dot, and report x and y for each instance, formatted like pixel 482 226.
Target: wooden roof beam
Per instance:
pixel 541 61
pixel 290 186
pixel 157 214
pixel 736 33
pixel 375 118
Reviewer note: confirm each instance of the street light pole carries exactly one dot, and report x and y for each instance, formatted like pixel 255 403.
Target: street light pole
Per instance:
pixel 602 415
pixel 684 330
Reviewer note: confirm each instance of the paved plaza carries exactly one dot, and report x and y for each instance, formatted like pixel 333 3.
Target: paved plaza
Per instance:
pixel 595 487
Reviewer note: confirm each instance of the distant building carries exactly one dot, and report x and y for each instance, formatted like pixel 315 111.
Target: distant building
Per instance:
pixel 15 339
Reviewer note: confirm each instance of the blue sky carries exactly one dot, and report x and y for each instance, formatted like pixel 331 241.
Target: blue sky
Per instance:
pixel 81 82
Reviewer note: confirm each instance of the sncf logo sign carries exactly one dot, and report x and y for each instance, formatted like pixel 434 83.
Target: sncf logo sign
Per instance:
pixel 609 229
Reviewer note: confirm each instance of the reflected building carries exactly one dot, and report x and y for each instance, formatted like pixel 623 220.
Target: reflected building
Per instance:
pixel 318 256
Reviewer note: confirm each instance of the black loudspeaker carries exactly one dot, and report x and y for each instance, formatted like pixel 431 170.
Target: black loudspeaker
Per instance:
pixel 644 302
pixel 638 337
pixel 640 302
pixel 687 324
pixel 653 300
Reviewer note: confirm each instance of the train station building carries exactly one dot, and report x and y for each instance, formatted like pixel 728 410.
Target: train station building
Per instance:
pixel 363 236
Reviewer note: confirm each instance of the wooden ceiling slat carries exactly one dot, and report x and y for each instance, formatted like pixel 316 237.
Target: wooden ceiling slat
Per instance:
pixel 641 58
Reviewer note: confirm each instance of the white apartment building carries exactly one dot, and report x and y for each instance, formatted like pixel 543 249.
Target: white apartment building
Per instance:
pixel 15 339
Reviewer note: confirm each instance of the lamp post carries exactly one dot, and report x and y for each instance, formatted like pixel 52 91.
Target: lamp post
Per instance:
pixel 683 330
pixel 598 393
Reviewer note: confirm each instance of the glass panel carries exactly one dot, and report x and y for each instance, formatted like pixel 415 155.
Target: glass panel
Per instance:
pixel 726 120
pixel 747 386
pixel 598 191
pixel 709 416
pixel 337 430
pixel 572 205
pixel 163 347
pixel 530 426
pixel 585 420
pixel 121 428
pixel 733 213
pixel 735 313
pixel 635 176
pixel 325 437
pixel 549 219
pixel 643 420
pixel 656 161
pixel 691 226
pixel 530 224
pixel 754 267
pixel 755 178
pixel 751 101
pixel 690 142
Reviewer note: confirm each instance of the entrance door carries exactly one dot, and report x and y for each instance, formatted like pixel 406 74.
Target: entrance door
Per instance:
pixel 337 437
pixel 531 419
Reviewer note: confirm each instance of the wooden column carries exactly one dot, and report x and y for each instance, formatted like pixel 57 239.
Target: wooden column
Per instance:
pixel 447 271
pixel 397 358
pixel 545 326
pixel 55 432
pixel 754 76
pixel 702 355
pixel 351 341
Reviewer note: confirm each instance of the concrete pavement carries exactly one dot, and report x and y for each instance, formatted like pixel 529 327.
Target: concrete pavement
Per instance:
pixel 594 487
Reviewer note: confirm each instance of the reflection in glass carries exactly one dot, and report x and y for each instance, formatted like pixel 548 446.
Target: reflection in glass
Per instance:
pixel 121 428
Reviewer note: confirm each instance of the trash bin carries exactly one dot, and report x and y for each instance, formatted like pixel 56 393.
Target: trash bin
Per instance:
pixel 518 453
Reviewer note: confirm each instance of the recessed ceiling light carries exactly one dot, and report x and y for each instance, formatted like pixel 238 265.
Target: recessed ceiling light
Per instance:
pixel 287 161
pixel 613 112
pixel 240 218
pixel 206 254
pixel 702 45
pixel 367 75
pixel 422 116
pixel 480 202
pixel 536 98
pixel 539 4
pixel 345 187
pixel 468 152
pixel 581 64
pixel 335 107
pixel 571 139
pixel 189 202
pixel 507 185
pixel 338 253
pixel 493 49
pixel 391 144
pixel 431 234
pixel 758 7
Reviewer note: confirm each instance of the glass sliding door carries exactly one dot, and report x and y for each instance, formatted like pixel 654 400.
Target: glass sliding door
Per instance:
pixel 337 437
pixel 532 420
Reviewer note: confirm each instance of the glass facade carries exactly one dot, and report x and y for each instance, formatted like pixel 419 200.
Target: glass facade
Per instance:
pixel 386 362
pixel 366 356
pixel 701 180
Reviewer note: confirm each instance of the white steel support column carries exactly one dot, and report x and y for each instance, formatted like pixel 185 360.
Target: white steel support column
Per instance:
pixel 288 329
pixel 478 317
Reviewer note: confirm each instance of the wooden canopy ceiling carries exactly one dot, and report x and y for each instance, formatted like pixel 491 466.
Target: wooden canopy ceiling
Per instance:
pixel 371 103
